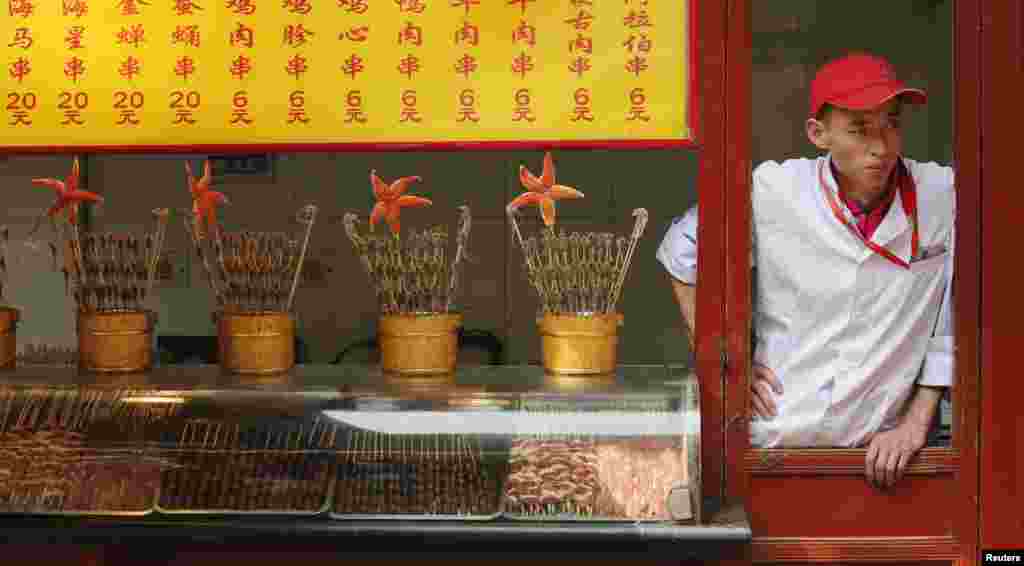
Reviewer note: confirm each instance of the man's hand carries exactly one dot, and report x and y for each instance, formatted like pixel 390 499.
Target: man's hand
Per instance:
pixel 764 386
pixel 889 453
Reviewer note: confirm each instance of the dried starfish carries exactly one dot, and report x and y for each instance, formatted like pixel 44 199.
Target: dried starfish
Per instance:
pixel 391 201
pixel 204 200
pixel 69 196
pixel 543 191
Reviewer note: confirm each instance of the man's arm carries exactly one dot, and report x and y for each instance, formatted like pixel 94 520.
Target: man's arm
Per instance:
pixel 890 452
pixel 678 254
pixel 686 296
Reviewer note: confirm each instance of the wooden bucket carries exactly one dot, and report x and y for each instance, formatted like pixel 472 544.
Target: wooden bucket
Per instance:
pixel 580 345
pixel 115 341
pixel 419 344
pixel 255 343
pixel 8 337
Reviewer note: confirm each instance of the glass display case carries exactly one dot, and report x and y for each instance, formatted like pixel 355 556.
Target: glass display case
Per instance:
pixel 347 443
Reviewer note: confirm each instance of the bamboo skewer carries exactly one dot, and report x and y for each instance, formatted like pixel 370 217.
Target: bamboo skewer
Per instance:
pixel 307 216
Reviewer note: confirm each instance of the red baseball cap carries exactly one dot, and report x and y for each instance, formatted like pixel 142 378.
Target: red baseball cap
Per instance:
pixel 859 82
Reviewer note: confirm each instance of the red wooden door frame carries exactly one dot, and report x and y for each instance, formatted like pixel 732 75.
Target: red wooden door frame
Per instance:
pixel 956 469
pixel 711 138
pixel 1002 424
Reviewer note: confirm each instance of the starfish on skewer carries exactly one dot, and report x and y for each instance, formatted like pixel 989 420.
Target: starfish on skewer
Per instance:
pixel 391 200
pixel 543 191
pixel 204 201
pixel 69 196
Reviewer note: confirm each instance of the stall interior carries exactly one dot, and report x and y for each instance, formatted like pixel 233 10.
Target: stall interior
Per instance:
pixel 347 443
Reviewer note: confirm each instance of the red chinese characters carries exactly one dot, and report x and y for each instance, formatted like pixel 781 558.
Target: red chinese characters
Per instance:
pixel 128 104
pixel 353 65
pixel 130 7
pixel 467 106
pixel 130 68
pixel 184 67
pixel 22 38
pixel 413 6
pixel 637 106
pixel 468 34
pixel 240 67
pixel 638 49
pixel 297 66
pixel 525 33
pixel 296 35
pixel 72 104
pixel 357 34
pixel 522 4
pixel 355 113
pixel 410 111
pixel 21 105
pixel 20 8
pixel 354 6
pixel 522 64
pixel 580 65
pixel 187 35
pixel 581 45
pixel 411 34
pixel 467 4
pixel 74 38
pixel 637 19
pixel 466 65
pixel 297 108
pixel 74 69
pixel 76 8
pixel 301 7
pixel 184 104
pixel 240 109
pixel 409 66
pixel 133 35
pixel 185 7
pixel 638 46
pixel 241 7
pixel 580 48
pixel 19 69
pixel 242 36
pixel 582 111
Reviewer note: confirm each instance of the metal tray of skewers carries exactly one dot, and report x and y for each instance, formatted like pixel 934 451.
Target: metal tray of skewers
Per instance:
pixel 439 477
pixel 580 479
pixel 77 452
pixel 569 472
pixel 225 467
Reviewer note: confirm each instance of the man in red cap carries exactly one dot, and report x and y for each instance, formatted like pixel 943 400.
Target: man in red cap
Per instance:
pixel 854 262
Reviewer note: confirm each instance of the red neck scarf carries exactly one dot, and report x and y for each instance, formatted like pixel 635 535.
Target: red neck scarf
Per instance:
pixel 867 222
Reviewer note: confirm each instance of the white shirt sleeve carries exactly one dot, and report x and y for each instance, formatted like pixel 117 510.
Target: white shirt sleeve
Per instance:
pixel 678 249
pixel 937 370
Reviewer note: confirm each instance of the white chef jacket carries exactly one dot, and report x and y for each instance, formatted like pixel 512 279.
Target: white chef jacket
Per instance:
pixel 847 332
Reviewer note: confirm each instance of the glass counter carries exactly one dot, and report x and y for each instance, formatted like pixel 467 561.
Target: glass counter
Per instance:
pixel 349 443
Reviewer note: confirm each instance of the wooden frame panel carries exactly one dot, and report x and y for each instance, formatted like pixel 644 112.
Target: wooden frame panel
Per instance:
pixel 943 482
pixel 711 192
pixel 738 277
pixel 1002 461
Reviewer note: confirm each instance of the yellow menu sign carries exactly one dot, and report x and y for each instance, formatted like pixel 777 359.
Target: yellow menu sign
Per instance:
pixel 191 73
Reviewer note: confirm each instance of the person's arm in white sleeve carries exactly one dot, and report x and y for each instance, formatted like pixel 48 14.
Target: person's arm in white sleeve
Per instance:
pixel 678 253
